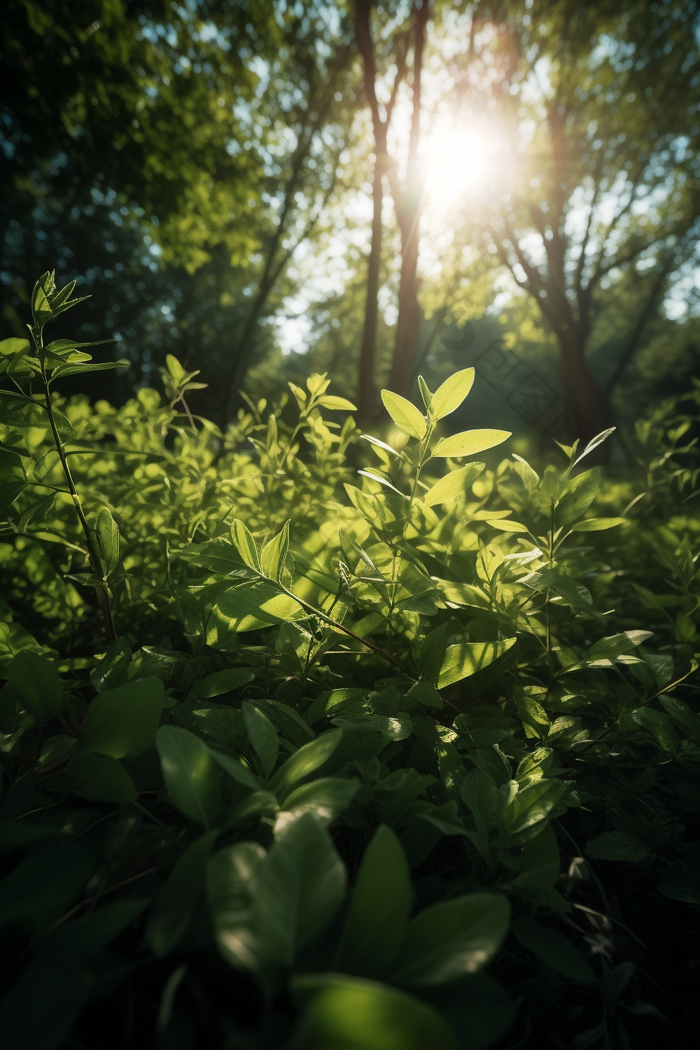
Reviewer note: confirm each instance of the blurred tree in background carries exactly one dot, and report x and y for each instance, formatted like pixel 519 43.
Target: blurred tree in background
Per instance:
pixel 241 181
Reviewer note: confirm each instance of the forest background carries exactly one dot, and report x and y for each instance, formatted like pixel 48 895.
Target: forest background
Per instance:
pixel 265 188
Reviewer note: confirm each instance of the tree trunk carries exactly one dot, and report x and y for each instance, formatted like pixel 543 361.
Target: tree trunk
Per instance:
pixel 587 407
pixel 409 314
pixel 365 390
pixel 408 209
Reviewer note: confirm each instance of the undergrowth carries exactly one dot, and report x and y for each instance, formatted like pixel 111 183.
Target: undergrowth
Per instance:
pixel 298 756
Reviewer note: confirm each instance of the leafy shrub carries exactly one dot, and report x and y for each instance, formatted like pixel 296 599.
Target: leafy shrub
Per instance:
pixel 296 756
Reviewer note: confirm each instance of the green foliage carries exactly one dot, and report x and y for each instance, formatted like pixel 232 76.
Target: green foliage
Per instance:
pixel 358 740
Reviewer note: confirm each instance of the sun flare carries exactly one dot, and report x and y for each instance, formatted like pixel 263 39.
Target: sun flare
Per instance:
pixel 458 164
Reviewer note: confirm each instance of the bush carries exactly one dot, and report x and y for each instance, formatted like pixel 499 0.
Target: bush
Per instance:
pixel 297 756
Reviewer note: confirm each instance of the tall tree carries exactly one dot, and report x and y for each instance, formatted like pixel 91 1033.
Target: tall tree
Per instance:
pixel 602 188
pixel 404 52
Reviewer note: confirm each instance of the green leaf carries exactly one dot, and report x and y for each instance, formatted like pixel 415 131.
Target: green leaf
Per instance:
pixel 597 524
pixel 245 544
pixel 659 725
pixel 506 525
pixel 534 803
pixel 336 404
pixel 122 722
pixel 380 904
pixel 325 799
pixel 262 735
pixel 539 869
pixel 190 774
pixel 554 949
pixel 479 793
pixel 34 678
pixel 249 606
pixel 221 682
pixel 102 779
pixel 452 938
pixel 236 770
pixel 298 890
pixel 346 1013
pixel 10 491
pixel 469 442
pixel 173 906
pixel 274 554
pixel 223 724
pixel 304 761
pixel 107 536
pixel 616 846
pixel 452 485
pixel 404 414
pixel 61 371
pixel 13 345
pixel 424 392
pixel 466 658
pixel 451 394
pixel 231 876
pixel 615 645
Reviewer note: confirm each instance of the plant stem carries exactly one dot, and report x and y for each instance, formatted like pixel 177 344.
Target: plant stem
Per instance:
pixel 345 630
pixel 102 595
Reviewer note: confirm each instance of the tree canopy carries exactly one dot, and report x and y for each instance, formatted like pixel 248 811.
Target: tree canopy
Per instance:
pixel 245 180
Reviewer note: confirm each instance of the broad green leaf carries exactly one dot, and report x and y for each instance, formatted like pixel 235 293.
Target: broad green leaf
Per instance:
pixel 380 904
pixel 597 524
pixel 102 779
pixel 469 442
pixel 304 761
pixel 336 404
pixel 249 606
pixel 190 773
pixel 172 908
pixel 554 949
pixel 452 485
pixel 297 891
pixel 231 876
pixel 221 682
pixel 616 846
pixel 122 722
pixel 236 769
pixel 681 713
pixel 452 938
pixel 13 345
pixel 466 658
pixel 61 371
pixel 615 645
pixel 451 394
pixel 36 684
pixel 347 1013
pixel 274 554
pixel 263 737
pixel 107 536
pixel 245 544
pixel 506 525
pixel 405 415
pixel 223 724
pixel 480 795
pixel 10 491
pixel 534 803
pixel 325 799
pixel 659 725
